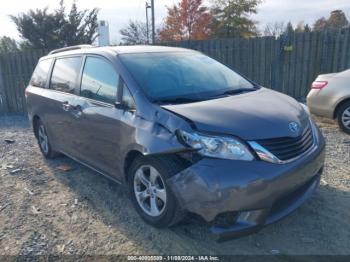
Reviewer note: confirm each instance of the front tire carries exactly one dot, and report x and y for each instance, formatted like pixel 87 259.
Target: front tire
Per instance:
pixel 43 141
pixel 344 117
pixel 150 194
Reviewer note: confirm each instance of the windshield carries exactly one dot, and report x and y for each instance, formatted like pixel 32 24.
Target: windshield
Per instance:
pixel 183 76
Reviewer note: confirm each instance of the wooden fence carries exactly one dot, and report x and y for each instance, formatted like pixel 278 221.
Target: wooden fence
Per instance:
pixel 15 72
pixel 287 64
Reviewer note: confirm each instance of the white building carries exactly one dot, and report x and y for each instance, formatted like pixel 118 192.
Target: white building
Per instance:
pixel 103 33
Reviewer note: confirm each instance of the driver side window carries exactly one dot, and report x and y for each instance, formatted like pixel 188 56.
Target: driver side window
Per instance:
pixel 99 80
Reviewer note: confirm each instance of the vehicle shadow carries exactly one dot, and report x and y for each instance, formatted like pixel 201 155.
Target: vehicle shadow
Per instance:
pixel 318 227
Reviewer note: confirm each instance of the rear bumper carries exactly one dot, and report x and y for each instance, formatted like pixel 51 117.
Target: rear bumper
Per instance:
pixel 259 192
pixel 320 104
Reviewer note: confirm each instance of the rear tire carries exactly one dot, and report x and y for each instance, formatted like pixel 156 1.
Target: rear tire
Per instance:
pixel 344 117
pixel 144 191
pixel 43 140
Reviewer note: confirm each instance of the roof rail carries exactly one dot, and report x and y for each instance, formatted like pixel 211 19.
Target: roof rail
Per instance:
pixel 69 48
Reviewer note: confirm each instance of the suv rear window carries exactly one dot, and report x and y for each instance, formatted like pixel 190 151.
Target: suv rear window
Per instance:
pixel 41 71
pixel 65 74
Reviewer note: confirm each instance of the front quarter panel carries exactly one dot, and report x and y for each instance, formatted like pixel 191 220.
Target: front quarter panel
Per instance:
pixel 151 135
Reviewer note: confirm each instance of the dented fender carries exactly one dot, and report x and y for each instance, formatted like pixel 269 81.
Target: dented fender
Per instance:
pixel 214 186
pixel 156 134
pixel 152 132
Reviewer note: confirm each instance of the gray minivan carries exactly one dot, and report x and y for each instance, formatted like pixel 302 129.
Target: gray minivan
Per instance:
pixel 184 132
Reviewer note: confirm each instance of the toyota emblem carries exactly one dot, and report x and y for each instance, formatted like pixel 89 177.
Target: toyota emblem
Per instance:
pixel 294 127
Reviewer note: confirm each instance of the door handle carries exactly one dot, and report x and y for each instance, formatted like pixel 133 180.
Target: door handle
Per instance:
pixel 77 108
pixel 76 111
pixel 66 106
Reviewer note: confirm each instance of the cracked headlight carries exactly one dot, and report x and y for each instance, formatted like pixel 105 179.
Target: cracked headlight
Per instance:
pixel 216 146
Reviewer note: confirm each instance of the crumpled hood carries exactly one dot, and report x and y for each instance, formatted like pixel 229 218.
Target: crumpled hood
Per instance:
pixel 255 115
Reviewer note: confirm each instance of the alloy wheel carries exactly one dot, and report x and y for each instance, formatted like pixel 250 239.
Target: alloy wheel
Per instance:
pixel 43 139
pixel 346 118
pixel 150 191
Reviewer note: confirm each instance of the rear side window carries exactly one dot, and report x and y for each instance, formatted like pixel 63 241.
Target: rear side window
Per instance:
pixel 40 74
pixel 99 81
pixel 65 74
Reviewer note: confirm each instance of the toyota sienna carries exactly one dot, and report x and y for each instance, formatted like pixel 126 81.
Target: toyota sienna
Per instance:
pixel 183 132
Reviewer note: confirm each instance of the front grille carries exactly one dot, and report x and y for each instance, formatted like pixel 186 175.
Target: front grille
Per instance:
pixel 286 148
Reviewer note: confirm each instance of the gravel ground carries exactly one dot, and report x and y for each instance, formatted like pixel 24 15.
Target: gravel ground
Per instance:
pixel 47 211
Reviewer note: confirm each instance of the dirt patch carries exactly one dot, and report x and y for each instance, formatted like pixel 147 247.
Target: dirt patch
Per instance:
pixel 45 209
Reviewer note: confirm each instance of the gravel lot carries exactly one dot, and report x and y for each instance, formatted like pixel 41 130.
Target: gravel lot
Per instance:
pixel 47 211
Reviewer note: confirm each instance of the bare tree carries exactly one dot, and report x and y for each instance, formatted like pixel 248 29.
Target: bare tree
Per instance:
pixel 135 33
pixel 275 29
pixel 320 24
pixel 336 20
pixel 300 27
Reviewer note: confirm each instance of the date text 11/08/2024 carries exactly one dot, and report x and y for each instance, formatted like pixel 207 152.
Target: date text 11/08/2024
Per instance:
pixel 173 258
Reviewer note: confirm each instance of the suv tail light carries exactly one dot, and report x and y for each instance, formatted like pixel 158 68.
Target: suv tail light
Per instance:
pixel 319 84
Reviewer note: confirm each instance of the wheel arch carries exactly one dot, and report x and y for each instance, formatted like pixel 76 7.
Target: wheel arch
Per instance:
pixel 130 157
pixel 339 105
pixel 35 121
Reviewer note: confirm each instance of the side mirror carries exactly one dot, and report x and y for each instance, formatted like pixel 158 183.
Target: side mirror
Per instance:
pixel 120 105
pixel 124 106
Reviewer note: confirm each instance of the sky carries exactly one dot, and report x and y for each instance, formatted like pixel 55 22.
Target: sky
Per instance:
pixel 119 12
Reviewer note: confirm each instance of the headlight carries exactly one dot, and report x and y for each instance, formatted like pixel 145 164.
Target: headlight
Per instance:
pixel 215 146
pixel 305 108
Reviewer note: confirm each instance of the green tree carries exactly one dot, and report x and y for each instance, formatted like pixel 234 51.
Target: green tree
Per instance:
pixel 79 26
pixel 289 29
pixel 8 44
pixel 307 28
pixel 24 45
pixel 232 18
pixel 41 29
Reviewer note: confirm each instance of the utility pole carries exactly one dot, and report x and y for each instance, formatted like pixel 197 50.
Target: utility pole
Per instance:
pixel 153 24
pixel 147 21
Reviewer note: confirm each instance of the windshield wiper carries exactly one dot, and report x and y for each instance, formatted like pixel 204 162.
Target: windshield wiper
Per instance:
pixel 238 91
pixel 177 100
pixel 180 100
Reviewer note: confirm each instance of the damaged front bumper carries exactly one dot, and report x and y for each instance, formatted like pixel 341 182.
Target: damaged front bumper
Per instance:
pixel 257 192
